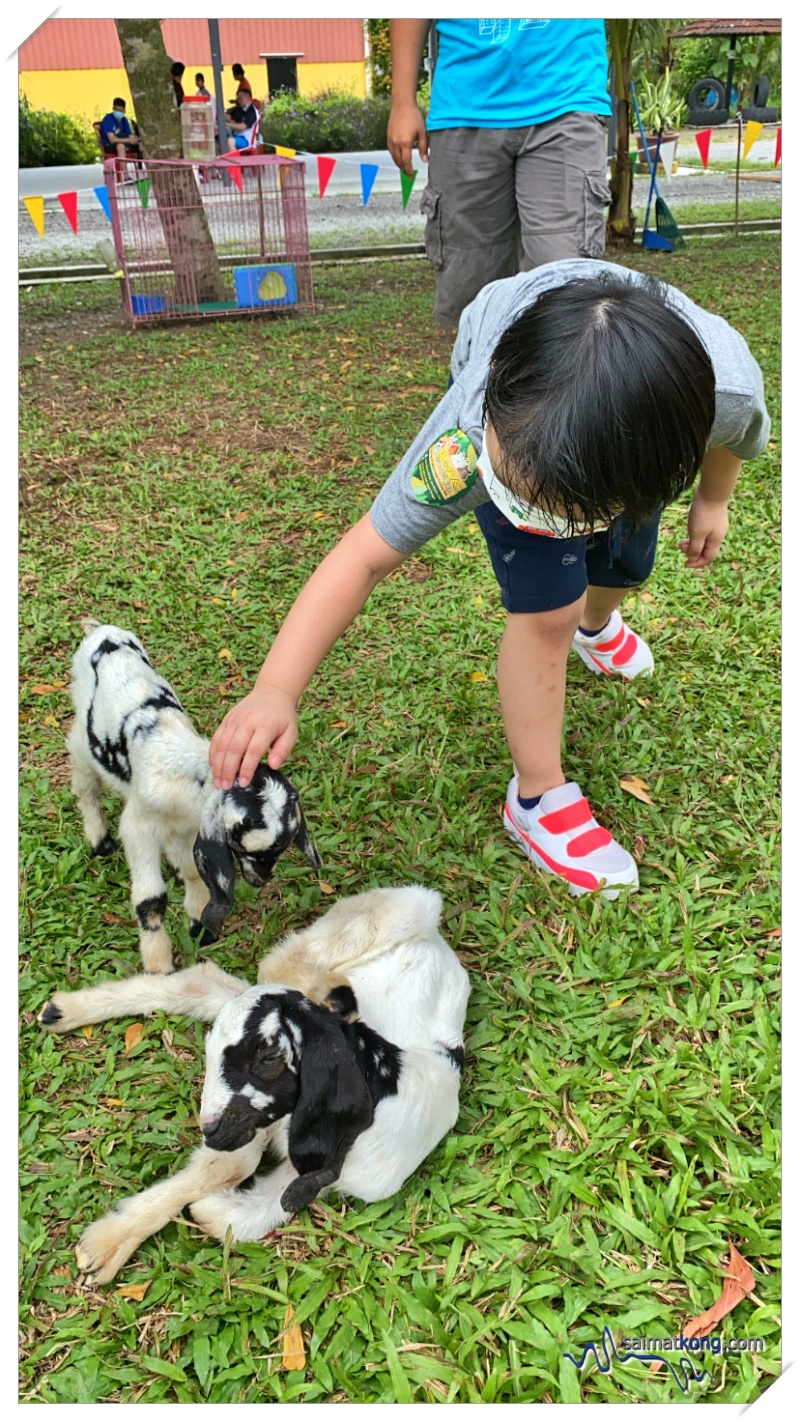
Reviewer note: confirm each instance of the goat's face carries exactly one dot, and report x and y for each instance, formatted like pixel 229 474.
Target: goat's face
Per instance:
pixel 260 821
pixel 252 1069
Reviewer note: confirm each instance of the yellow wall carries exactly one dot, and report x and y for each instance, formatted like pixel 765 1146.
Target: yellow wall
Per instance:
pixel 89 92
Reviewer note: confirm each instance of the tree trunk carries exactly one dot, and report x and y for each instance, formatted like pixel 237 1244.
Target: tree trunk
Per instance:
pixel 621 226
pixel 178 203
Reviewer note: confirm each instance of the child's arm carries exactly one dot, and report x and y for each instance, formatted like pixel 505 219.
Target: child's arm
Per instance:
pixel 333 596
pixel 708 515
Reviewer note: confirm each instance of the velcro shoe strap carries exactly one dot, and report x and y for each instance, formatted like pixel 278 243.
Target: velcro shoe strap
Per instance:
pixel 583 844
pixel 627 650
pixel 569 818
pixel 613 642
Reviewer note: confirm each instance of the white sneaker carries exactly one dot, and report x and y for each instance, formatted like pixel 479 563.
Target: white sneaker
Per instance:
pixel 561 836
pixel 615 650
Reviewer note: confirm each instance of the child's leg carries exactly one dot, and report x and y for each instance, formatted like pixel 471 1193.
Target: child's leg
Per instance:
pixel 531 677
pixel 616 565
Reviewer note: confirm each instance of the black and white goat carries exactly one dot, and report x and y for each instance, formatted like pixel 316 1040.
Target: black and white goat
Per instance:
pixel 131 735
pixel 345 1060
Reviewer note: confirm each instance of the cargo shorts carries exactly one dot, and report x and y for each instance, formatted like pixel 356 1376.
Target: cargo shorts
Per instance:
pixel 500 201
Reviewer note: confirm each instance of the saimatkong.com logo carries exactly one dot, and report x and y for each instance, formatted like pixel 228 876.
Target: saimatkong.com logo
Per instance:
pixel 685 1369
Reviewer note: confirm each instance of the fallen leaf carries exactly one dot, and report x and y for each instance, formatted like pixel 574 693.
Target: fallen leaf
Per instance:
pixel 618 1001
pixel 368 449
pixel 337 725
pixel 42 688
pixel 326 888
pixel 294 1353
pixel 51 721
pixel 224 655
pixel 134 1291
pixel 133 1036
pixel 478 676
pixel 636 786
pixel 739 1282
pixel 643 701
pixel 87 1031
pixel 111 1101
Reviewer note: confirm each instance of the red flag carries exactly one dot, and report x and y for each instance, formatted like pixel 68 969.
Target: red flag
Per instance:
pixel 777 149
pixel 69 202
pixel 703 141
pixel 325 167
pixel 236 173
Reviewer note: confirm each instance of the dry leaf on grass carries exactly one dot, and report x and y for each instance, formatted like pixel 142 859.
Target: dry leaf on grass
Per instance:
pixel 478 676
pixel 134 1291
pixel 43 687
pixel 294 1353
pixel 133 1036
pixel 224 655
pixel 739 1282
pixel 326 888
pixel 87 1031
pixel 636 786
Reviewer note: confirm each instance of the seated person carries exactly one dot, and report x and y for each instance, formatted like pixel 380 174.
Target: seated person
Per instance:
pixel 116 133
pixel 241 118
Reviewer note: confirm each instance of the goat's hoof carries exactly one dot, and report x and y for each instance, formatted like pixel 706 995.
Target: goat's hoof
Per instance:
pixel 104 1247
pixel 106 846
pixel 198 930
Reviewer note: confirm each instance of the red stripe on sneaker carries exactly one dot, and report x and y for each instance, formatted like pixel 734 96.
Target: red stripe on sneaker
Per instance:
pixel 613 642
pixel 580 877
pixel 601 666
pixel 570 818
pixel 627 651
pixel 596 838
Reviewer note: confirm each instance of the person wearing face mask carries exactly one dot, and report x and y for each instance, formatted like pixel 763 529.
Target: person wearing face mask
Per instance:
pixel 116 134
pixel 584 398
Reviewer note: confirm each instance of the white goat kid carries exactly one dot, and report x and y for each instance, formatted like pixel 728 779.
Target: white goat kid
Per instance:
pixel 131 735
pixel 345 1059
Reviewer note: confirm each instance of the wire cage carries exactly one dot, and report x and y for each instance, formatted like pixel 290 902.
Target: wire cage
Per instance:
pixel 228 238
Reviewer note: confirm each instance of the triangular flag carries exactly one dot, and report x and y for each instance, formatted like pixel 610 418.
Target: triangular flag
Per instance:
pixel 751 134
pixel 703 141
pixel 69 202
pixel 236 173
pixel 286 152
pixel 35 206
pixel 407 184
pixel 325 167
pixel 369 172
pixel 143 189
pixel 667 157
pixel 102 197
pixel 777 149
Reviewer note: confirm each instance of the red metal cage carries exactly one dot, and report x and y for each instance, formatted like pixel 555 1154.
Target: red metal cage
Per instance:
pixel 228 238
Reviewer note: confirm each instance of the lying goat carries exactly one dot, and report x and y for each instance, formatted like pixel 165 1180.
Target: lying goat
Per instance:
pixel 132 735
pixel 352 1103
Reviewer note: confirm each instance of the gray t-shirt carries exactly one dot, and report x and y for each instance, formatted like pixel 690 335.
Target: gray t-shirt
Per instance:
pixel 741 422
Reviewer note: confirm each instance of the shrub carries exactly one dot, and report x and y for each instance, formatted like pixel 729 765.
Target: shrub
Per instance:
pixel 47 139
pixel 331 122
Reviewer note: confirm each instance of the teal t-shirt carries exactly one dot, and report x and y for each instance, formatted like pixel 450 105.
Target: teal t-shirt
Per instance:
pixel 511 73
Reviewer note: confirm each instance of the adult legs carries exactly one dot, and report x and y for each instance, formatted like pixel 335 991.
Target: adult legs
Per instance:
pixel 561 189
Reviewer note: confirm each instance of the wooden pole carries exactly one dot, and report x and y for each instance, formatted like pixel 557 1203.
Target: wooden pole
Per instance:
pixel 738 160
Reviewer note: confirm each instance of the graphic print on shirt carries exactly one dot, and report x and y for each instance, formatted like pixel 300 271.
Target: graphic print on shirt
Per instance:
pixel 499 30
pixel 447 470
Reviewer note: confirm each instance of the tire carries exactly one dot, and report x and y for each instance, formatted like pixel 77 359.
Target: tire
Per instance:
pixel 704 118
pixel 703 87
pixel 761 92
pixel 760 115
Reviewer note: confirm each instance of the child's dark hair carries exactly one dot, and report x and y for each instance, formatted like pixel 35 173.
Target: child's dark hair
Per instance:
pixel 602 399
pixel 115 103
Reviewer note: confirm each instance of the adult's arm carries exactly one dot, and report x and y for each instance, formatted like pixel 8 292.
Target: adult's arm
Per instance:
pixel 266 720
pixel 406 119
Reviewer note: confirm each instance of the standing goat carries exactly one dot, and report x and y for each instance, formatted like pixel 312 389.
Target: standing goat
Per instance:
pixel 132 735
pixel 345 1059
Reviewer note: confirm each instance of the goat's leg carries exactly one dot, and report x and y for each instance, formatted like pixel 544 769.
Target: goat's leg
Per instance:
pixel 142 842
pixel 197 992
pixel 196 894
pixel 87 787
pixel 251 1213
pixel 106 1245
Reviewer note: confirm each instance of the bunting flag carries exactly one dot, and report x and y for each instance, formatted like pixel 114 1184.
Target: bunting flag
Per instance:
pixel 143 189
pixel 325 167
pixel 286 152
pixel 236 173
pixel 703 141
pixel 35 206
pixel 406 185
pixel 668 157
pixel 369 172
pixel 69 202
pixel 750 135
pixel 102 197
pixel 777 149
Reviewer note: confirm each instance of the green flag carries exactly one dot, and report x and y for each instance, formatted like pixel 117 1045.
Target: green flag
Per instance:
pixel 407 184
pixel 143 189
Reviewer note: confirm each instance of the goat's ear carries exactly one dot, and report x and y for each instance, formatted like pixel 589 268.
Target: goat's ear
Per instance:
pixel 216 867
pixel 306 844
pixel 333 1107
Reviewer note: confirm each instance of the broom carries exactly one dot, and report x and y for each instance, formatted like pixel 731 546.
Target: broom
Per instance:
pixel 667 235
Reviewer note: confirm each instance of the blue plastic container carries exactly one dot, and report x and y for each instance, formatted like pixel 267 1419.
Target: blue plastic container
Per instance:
pixel 148 305
pixel 273 285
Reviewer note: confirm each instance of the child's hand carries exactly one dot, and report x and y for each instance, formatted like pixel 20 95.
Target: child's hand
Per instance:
pixel 266 718
pixel 708 525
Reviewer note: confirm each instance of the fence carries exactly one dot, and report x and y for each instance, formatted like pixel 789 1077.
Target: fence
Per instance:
pixel 227 238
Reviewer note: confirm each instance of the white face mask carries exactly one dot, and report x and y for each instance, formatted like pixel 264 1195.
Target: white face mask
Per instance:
pixel 524 516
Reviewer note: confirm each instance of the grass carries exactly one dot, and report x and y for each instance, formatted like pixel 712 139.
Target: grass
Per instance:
pixel 619 1119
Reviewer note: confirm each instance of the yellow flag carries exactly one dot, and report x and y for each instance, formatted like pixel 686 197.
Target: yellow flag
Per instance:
pixel 286 152
pixel 35 206
pixel 751 134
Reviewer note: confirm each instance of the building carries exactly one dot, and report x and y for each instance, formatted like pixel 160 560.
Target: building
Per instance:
pixel 75 66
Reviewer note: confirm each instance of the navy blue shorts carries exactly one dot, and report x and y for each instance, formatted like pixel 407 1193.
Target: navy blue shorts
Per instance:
pixel 540 574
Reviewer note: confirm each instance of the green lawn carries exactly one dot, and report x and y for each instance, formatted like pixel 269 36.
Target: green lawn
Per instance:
pixel 619 1119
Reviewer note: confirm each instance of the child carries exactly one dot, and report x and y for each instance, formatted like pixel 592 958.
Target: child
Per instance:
pixel 584 398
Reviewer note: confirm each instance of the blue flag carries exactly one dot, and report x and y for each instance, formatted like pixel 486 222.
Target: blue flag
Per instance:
pixel 102 197
pixel 369 172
